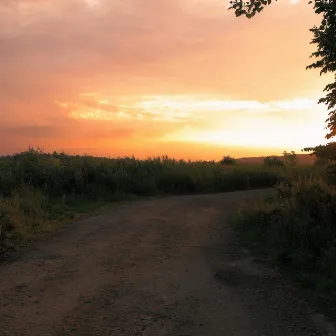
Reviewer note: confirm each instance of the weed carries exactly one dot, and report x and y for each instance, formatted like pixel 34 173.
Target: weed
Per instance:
pixel 296 230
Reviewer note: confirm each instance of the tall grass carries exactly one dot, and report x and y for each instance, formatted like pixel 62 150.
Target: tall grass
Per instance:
pixel 59 174
pixel 296 229
pixel 38 189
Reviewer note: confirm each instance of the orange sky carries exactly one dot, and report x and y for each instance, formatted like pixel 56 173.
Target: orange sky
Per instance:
pixel 148 77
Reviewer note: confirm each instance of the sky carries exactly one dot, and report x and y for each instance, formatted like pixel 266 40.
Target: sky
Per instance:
pixel 184 78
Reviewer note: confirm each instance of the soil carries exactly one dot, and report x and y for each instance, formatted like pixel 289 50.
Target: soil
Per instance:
pixel 168 267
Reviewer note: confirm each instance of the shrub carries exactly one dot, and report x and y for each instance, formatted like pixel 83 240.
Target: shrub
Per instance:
pixel 296 229
pixel 273 161
pixel 58 174
pixel 228 161
pixel 38 189
pixel 290 159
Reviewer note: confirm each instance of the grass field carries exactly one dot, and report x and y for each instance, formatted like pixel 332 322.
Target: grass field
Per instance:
pixel 39 190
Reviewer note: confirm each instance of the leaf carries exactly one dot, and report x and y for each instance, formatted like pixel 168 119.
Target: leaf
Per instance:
pixel 324 40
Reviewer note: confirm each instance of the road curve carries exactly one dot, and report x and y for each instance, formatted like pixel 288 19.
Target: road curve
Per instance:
pixel 162 267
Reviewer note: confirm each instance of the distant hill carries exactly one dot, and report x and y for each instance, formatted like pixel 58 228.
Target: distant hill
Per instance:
pixel 304 159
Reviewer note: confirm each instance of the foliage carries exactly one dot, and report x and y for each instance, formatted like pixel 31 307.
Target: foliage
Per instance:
pixel 273 161
pixel 326 157
pixel 58 174
pixel 296 229
pixel 228 161
pixel 321 162
pixel 327 151
pixel 290 158
pixel 324 38
pixel 38 189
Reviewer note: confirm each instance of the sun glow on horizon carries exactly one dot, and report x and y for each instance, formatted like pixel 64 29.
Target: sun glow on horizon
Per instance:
pixel 211 120
pixel 257 137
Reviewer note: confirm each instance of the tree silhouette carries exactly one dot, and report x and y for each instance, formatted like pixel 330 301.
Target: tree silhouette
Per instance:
pixel 228 160
pixel 324 37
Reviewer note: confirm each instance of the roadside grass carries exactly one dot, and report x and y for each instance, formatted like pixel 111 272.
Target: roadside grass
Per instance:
pixel 295 230
pixel 28 214
pixel 38 190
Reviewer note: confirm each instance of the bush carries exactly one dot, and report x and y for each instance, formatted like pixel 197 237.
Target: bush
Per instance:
pixel 290 159
pixel 331 173
pixel 58 174
pixel 297 230
pixel 273 161
pixel 228 161
pixel 38 189
pixel 22 217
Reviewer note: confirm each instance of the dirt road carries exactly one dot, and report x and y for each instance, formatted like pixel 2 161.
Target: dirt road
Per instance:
pixel 162 267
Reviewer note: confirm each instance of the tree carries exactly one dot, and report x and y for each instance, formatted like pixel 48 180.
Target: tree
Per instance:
pixel 273 161
pixel 323 152
pixel 290 158
pixel 324 38
pixel 228 161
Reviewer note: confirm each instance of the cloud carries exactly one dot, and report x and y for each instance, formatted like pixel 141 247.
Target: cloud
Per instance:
pixel 28 131
pixel 162 66
pixel 138 38
pixel 185 108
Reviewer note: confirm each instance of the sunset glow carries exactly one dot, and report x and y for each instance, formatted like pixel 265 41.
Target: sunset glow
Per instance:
pixel 147 77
